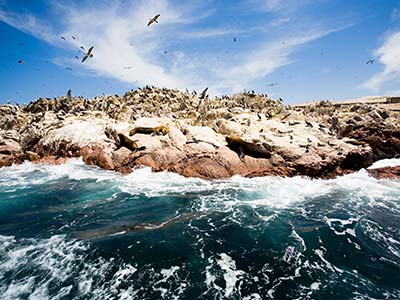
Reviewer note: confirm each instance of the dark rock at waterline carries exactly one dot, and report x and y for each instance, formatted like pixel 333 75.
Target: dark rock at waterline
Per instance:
pixel 385 172
pixel 384 139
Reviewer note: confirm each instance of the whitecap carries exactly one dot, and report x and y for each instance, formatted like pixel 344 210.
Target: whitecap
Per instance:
pixel 391 162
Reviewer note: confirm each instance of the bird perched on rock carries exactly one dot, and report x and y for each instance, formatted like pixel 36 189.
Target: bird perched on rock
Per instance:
pixel 153 20
pixel 88 54
pixel 370 62
pixel 308 124
pixel 203 93
pixel 69 96
pixel 21 62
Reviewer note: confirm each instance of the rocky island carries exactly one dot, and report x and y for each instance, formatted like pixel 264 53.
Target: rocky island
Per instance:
pixel 245 134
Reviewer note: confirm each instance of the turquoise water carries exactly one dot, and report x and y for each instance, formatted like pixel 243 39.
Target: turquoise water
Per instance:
pixel 77 232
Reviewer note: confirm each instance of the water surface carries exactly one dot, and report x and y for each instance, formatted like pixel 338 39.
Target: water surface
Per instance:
pixel 78 232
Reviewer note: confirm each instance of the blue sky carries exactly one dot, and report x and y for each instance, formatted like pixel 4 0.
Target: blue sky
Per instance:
pixel 311 49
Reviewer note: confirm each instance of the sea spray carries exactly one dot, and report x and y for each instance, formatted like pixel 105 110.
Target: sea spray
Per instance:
pixel 77 232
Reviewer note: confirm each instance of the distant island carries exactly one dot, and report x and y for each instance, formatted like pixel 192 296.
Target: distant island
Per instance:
pixel 244 134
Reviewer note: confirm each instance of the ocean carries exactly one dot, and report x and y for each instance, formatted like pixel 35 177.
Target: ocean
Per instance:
pixel 78 232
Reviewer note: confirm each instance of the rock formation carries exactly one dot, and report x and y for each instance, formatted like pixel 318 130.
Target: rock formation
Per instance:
pixel 246 134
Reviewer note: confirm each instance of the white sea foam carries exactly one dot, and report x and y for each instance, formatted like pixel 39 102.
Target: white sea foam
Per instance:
pixel 231 274
pixel 315 286
pixel 274 192
pixel 33 174
pixel 58 261
pixel 57 256
pixel 392 162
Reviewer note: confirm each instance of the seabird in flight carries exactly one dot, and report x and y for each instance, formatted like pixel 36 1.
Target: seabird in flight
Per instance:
pixel 88 54
pixel 153 20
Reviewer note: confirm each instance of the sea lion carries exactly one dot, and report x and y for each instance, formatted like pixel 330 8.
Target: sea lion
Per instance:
pixel 241 147
pixel 159 130
pixel 126 142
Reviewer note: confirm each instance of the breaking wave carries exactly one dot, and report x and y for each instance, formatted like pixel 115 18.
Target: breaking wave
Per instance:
pixel 78 232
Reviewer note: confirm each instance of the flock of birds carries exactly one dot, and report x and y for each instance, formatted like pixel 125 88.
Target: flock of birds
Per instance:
pixel 203 95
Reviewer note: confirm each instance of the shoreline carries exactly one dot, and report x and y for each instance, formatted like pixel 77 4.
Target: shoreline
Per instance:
pixel 245 134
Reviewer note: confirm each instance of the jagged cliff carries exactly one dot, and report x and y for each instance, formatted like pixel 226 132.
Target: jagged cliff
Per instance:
pixel 247 134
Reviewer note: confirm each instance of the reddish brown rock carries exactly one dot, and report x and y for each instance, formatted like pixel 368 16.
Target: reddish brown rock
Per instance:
pixel 52 160
pixel 32 156
pixel 10 153
pixel 159 160
pixel 384 139
pixel 96 155
pixel 222 163
pixel 385 173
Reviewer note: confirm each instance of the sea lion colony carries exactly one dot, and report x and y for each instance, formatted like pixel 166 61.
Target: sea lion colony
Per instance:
pixel 247 134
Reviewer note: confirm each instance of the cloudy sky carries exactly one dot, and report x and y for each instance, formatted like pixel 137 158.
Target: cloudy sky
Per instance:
pixel 298 50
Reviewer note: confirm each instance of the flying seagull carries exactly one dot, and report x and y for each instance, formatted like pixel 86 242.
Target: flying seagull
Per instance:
pixel 77 57
pixel 272 84
pixel 74 38
pixel 63 38
pixel 370 62
pixel 69 68
pixel 234 39
pixel 154 20
pixel 83 48
pixel 203 93
pixel 88 54
pixel 21 62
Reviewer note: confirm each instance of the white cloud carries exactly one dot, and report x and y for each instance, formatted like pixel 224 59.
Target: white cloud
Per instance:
pixel 279 22
pixel 212 33
pixel 28 24
pixel 283 5
pixel 125 40
pixel 121 38
pixel 389 55
pixel 264 60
